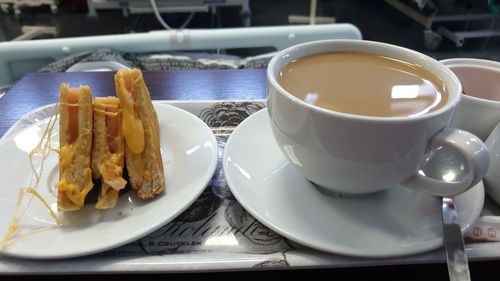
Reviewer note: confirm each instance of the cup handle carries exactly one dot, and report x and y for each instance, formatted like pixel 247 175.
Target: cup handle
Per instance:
pixel 475 154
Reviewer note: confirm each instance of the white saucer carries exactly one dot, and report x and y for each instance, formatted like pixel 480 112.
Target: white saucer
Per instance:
pixel 189 151
pixel 394 222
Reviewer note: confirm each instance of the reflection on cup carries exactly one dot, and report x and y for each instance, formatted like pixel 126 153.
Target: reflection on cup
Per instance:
pixel 377 111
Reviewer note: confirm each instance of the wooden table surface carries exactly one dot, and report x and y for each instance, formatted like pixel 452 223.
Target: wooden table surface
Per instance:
pixel 38 89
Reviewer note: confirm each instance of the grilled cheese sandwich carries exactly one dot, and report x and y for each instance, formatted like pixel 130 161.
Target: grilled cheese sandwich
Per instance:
pixel 75 140
pixel 141 133
pixel 108 151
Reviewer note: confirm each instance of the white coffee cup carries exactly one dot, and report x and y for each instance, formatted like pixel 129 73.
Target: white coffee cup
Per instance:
pixel 479 109
pixel 355 154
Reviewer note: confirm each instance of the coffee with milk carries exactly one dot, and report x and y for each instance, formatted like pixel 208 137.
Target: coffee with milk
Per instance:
pixel 363 84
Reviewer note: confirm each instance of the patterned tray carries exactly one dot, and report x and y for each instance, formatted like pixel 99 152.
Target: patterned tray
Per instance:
pixel 194 241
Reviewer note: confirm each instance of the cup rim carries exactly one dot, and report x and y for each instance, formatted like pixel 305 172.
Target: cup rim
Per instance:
pixel 454 97
pixel 477 63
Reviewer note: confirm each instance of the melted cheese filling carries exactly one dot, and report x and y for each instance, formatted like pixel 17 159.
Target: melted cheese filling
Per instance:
pixel 111 171
pixel 73 192
pixel 132 128
pixel 66 155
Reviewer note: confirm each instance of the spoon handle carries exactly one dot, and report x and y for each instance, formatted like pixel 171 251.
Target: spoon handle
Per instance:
pixel 458 266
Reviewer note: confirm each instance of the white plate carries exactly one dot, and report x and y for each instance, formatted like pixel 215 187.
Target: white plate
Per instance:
pixel 189 151
pixel 394 222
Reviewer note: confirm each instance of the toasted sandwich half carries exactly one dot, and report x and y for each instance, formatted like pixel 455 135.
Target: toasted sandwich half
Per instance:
pixel 141 132
pixel 75 145
pixel 108 151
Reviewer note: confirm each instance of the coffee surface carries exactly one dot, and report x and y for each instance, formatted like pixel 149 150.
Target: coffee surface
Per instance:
pixel 363 84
